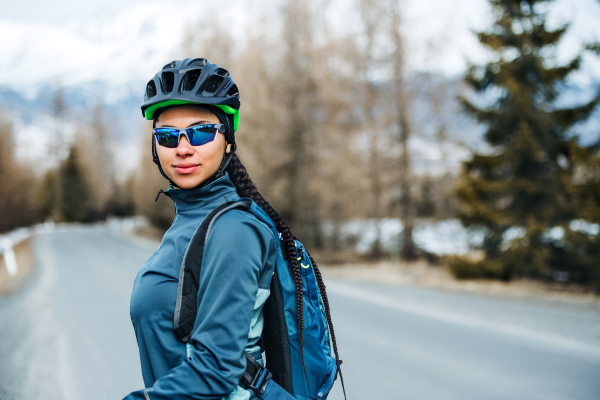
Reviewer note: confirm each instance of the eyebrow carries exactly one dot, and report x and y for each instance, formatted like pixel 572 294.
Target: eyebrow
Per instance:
pixel 192 124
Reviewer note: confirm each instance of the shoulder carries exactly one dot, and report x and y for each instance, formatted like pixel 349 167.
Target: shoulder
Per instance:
pixel 240 228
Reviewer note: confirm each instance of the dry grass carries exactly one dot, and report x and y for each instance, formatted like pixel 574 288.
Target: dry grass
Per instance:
pixel 25 262
pixel 424 274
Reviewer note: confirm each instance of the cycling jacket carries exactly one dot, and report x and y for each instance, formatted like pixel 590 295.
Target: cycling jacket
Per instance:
pixel 238 264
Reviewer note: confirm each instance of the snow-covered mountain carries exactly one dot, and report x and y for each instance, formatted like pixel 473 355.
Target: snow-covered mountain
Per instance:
pixel 108 57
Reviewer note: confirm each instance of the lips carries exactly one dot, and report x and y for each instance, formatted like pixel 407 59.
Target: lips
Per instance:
pixel 185 169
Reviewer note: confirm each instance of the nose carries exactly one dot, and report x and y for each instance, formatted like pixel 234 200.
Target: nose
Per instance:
pixel 184 148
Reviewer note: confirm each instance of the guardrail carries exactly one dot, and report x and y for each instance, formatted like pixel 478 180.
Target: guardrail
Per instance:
pixel 10 239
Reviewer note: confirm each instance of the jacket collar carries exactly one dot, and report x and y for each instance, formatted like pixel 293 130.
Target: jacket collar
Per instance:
pixel 190 199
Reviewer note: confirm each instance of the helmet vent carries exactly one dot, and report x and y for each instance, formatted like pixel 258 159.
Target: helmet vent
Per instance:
pixel 222 72
pixel 189 80
pixel 233 91
pixel 170 65
pixel 213 83
pixel 151 89
pixel 167 81
pixel 198 62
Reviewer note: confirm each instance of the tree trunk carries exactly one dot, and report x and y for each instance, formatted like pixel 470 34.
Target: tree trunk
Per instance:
pixel 409 251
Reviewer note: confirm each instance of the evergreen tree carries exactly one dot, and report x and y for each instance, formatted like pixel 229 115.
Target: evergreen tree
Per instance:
pixel 47 195
pixel 528 193
pixel 74 204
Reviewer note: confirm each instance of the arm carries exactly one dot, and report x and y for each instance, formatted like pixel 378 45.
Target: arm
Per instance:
pixel 236 252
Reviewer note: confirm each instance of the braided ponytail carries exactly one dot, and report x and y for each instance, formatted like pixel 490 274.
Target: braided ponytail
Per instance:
pixel 246 188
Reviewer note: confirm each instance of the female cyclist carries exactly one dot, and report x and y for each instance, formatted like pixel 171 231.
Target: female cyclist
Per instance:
pixel 195 109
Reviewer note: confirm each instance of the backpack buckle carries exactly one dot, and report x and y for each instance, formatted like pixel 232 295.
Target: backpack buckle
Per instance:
pixel 256 377
pixel 260 381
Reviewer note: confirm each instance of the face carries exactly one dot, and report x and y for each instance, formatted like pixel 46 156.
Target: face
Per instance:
pixel 187 165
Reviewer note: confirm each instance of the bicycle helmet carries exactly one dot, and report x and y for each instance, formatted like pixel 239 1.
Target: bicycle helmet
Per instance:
pixel 194 81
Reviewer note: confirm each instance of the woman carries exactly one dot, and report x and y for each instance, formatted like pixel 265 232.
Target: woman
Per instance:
pixel 195 108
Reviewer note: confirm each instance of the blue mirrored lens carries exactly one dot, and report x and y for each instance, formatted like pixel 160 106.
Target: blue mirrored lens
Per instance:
pixel 201 134
pixel 197 135
pixel 167 139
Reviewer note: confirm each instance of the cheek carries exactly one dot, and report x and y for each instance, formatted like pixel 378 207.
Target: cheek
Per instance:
pixel 211 153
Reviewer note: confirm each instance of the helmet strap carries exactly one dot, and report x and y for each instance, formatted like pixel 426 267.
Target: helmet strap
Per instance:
pixel 157 162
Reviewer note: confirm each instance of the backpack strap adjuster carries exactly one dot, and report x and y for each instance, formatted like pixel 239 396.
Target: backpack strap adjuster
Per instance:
pixel 256 377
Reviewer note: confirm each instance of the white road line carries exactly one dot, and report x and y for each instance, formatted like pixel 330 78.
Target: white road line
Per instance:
pixel 383 301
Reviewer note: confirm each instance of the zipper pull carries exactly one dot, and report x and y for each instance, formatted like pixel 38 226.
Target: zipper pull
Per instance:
pixel 158 195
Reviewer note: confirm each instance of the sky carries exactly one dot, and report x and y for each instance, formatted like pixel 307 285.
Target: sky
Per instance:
pixel 57 12
pixel 118 41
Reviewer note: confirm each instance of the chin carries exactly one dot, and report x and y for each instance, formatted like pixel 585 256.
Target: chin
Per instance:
pixel 189 181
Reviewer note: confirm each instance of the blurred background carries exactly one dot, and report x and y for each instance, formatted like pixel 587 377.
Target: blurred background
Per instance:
pixel 459 138
pixel 353 121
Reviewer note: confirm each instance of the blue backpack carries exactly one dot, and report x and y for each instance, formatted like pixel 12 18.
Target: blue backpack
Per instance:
pixel 283 376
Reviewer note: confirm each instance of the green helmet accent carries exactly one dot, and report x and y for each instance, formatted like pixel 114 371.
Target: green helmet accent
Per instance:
pixel 149 112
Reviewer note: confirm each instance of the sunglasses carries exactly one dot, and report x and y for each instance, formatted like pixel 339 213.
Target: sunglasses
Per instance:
pixel 196 135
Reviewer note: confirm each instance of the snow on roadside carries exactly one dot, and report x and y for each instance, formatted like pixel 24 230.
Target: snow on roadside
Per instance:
pixel 438 237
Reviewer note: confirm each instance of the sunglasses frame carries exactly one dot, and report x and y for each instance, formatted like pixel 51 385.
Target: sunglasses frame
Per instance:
pixel 184 132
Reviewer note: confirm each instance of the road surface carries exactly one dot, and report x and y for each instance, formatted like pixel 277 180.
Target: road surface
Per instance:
pixel 67 334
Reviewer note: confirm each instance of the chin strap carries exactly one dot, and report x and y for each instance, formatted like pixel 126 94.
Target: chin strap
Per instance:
pixel 224 163
pixel 230 139
pixel 157 162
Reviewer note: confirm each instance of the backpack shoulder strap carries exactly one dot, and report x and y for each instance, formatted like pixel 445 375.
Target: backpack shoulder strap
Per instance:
pixel 256 377
pixel 275 335
pixel 189 275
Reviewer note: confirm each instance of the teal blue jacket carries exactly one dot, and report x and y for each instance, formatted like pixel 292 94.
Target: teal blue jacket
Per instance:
pixel 238 264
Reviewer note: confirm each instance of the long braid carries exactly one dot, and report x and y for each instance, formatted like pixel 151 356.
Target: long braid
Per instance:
pixel 323 292
pixel 325 304
pixel 246 188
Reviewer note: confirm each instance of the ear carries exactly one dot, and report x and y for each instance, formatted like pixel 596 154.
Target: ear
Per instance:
pixel 228 148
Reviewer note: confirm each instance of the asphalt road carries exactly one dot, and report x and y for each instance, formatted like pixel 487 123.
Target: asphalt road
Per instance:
pixel 67 334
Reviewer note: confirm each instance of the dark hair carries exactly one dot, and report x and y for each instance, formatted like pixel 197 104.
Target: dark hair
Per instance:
pixel 246 188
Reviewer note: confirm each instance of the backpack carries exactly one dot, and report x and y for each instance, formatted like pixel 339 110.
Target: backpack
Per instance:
pixel 283 375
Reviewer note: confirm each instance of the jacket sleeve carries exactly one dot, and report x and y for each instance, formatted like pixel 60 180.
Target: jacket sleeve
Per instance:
pixel 236 253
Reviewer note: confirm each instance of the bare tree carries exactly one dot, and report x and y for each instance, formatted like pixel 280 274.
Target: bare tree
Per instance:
pixel 372 13
pixel 209 39
pixel 100 163
pixel 341 180
pixel 58 148
pixel 409 251
pixel 17 183
pixel 297 89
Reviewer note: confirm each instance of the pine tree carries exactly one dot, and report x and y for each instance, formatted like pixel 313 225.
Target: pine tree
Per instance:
pixel 526 193
pixel 47 195
pixel 74 192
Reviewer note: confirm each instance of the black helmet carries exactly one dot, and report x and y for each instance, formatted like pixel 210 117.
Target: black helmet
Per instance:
pixel 192 81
